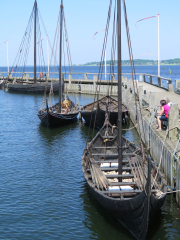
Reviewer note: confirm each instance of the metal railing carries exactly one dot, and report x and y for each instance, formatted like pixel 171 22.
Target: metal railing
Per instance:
pixel 154 80
pixel 176 156
pixel 158 81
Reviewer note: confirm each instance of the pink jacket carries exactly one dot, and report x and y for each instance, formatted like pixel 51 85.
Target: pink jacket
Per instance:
pixel 166 109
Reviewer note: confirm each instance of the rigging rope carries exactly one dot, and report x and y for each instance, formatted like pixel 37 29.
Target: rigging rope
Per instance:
pixel 133 74
pixel 20 63
pixel 100 73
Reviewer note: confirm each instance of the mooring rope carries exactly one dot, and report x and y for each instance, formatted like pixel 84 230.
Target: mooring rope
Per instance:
pixel 135 124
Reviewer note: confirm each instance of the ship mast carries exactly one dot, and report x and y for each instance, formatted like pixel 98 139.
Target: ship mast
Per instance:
pixel 60 56
pixel 35 9
pixel 119 92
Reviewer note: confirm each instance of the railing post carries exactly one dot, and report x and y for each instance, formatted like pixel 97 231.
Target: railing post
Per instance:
pixel 142 78
pixel 159 82
pixel 170 86
pixel 124 80
pixel 140 92
pixel 27 77
pixel 173 120
pixel 150 80
pixel 95 79
pixel 152 100
pixel 70 79
pixel 177 86
pixel 85 76
pixel 113 78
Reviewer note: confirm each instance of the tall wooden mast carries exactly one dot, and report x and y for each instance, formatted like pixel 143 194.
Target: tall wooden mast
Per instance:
pixel 119 91
pixel 35 9
pixel 60 56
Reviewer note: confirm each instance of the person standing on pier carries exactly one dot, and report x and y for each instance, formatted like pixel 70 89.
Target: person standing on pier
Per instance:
pixel 162 114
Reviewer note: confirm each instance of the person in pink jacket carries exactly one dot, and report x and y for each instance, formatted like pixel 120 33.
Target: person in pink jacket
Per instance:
pixel 162 114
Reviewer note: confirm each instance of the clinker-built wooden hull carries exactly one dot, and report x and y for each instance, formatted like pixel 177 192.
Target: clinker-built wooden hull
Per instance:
pixel 94 113
pixel 133 202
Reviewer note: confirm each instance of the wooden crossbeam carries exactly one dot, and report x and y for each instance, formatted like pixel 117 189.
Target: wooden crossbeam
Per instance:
pixel 112 154
pixel 115 168
pixel 122 184
pixel 109 147
pixel 124 191
pixel 113 161
pixel 120 176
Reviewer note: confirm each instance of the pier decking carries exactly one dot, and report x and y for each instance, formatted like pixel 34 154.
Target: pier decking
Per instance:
pixel 163 145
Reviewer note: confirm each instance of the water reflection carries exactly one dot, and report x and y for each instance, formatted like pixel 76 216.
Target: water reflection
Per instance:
pixel 43 191
pixel 100 222
pixel 51 134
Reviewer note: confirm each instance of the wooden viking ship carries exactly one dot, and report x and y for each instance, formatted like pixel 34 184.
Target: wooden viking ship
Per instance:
pixel 18 82
pixel 51 117
pixel 121 176
pixel 31 87
pixel 94 113
pixel 126 194
pixel 65 111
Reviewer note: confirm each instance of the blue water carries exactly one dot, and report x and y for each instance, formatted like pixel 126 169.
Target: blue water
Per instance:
pixel 43 194
pixel 169 71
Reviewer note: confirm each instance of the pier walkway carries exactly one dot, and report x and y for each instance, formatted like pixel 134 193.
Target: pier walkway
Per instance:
pixel 164 146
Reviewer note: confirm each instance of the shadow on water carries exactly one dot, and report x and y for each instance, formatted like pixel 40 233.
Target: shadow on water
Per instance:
pixel 49 134
pixel 166 223
pixel 103 225
pixel 100 222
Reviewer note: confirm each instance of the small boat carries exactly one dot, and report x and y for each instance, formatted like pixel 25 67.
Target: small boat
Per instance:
pixel 18 82
pixel 22 87
pixel 128 195
pixel 63 112
pixel 51 117
pixel 121 176
pixel 94 113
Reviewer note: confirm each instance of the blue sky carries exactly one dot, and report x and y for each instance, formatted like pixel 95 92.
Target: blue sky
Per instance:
pixel 85 17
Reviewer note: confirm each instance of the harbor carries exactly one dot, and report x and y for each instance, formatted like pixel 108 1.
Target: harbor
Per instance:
pixel 89 151
pixel 38 167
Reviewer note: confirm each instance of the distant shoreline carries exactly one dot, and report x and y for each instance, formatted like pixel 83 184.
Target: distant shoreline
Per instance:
pixel 162 65
pixel 83 65
pixel 137 62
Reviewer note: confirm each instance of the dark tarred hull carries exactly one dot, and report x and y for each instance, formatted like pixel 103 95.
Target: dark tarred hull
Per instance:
pixel 56 119
pixel 96 117
pixel 131 213
pixel 33 88
pixel 99 117
pixel 134 212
